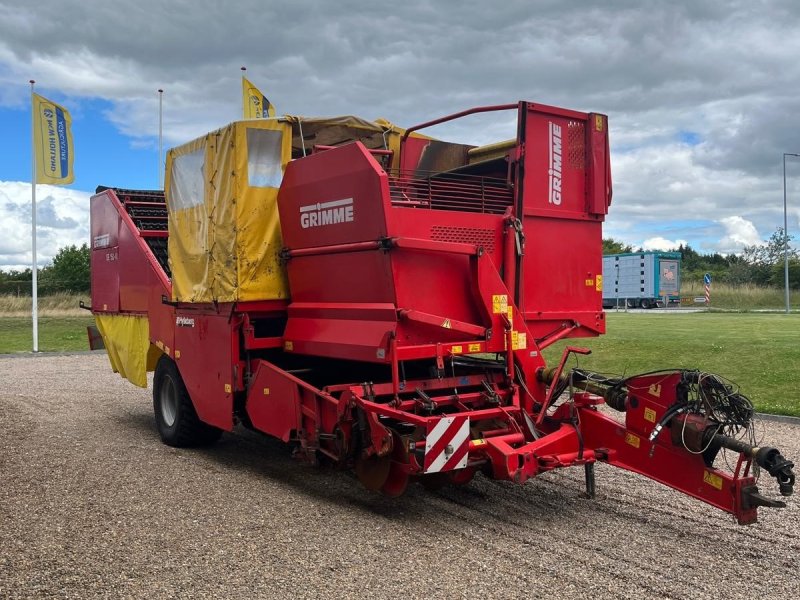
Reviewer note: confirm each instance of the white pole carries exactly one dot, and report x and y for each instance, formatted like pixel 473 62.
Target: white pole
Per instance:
pixel 244 70
pixel 786 235
pixel 160 139
pixel 34 282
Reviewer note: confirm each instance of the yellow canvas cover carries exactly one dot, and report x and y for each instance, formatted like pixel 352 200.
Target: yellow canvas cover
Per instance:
pixel 127 340
pixel 222 191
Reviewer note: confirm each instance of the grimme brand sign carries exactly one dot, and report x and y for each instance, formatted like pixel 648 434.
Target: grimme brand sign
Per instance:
pixel 554 172
pixel 326 213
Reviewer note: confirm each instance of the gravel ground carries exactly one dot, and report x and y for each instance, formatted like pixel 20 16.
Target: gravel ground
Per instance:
pixel 93 505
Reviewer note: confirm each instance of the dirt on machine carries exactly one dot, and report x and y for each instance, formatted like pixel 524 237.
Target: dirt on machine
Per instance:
pixel 380 300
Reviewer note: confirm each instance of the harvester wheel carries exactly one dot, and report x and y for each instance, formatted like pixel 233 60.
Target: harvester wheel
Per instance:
pixel 176 419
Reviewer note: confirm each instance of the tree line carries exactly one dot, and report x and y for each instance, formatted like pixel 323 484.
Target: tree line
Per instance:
pixel 759 264
pixel 69 272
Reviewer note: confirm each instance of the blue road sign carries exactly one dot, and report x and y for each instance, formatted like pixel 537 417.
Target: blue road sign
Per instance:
pixel 707 278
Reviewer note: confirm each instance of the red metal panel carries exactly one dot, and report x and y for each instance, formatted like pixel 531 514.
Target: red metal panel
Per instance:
pixel 273 401
pixel 334 197
pixel 353 277
pixel 161 316
pixel 559 284
pixel 565 197
pixel 206 349
pixel 599 192
pixel 105 223
pixel 134 272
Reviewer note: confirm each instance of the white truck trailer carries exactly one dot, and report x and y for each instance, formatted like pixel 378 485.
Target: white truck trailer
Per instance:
pixel 641 279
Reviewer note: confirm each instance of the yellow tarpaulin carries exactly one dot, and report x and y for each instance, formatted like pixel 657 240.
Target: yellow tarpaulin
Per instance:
pixel 222 192
pixel 127 340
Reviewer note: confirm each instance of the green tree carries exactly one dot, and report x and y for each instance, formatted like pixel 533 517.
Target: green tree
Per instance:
pixel 763 259
pixel 612 246
pixel 778 272
pixel 70 270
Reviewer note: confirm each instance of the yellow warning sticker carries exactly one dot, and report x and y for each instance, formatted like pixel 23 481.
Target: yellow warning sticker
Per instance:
pixel 650 415
pixel 598 122
pixel 288 346
pixel 589 282
pixel 712 479
pixel 499 304
pixel 655 390
pixel 632 440
pixel 522 340
pixel 177 353
pixel 519 340
pixel 456 349
pixel 598 285
pixel 227 388
pixel 266 391
pixel 474 348
pixel 479 442
pixel 447 324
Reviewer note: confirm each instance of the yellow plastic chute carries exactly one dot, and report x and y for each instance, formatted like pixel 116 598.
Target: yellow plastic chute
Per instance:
pixel 127 341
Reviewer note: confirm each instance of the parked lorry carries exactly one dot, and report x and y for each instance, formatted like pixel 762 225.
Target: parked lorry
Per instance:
pixel 380 299
pixel 641 279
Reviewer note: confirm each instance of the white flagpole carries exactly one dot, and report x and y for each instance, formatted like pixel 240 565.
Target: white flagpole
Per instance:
pixel 244 70
pixel 34 282
pixel 160 139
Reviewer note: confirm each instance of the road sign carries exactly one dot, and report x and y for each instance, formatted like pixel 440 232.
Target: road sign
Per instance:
pixel 707 278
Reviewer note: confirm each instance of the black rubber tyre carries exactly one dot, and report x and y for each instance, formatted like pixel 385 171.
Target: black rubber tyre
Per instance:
pixel 644 303
pixel 176 419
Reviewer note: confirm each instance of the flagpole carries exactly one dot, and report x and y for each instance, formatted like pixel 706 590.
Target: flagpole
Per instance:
pixel 160 138
pixel 244 70
pixel 34 282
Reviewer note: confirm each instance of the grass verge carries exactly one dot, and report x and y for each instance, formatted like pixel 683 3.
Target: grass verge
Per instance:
pixel 760 352
pixel 56 334
pixel 743 297
pixel 60 304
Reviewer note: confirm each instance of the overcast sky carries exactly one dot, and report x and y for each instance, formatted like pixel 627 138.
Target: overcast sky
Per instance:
pixel 702 97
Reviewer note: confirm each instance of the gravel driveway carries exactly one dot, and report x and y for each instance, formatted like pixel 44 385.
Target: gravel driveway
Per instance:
pixel 93 505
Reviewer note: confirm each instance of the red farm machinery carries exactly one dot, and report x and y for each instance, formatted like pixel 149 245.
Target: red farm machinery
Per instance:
pixel 380 299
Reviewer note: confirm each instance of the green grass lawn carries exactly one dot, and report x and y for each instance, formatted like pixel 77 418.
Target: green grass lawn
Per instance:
pixel 760 352
pixel 56 334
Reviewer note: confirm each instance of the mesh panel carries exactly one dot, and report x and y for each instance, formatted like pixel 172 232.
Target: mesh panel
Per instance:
pixel 576 140
pixel 464 235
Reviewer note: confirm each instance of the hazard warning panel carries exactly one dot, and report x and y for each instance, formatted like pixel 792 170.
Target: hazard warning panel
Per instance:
pixel 447 444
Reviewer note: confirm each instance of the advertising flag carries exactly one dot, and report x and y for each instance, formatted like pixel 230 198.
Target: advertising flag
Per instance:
pixel 52 142
pixel 254 103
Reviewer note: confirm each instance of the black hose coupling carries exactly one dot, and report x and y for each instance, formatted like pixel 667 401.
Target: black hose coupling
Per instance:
pixel 779 467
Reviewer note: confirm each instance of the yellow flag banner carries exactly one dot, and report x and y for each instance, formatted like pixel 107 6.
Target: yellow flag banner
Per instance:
pixel 255 104
pixel 52 142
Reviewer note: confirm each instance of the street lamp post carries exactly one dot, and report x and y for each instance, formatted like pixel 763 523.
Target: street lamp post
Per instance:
pixel 786 234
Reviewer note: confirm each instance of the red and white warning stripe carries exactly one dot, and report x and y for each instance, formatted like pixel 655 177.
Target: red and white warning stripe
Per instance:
pixel 447 444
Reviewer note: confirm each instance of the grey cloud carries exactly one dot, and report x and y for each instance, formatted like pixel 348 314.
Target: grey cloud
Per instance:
pixel 725 70
pixel 46 215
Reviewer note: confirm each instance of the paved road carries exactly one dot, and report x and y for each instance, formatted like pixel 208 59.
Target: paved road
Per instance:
pixel 93 505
